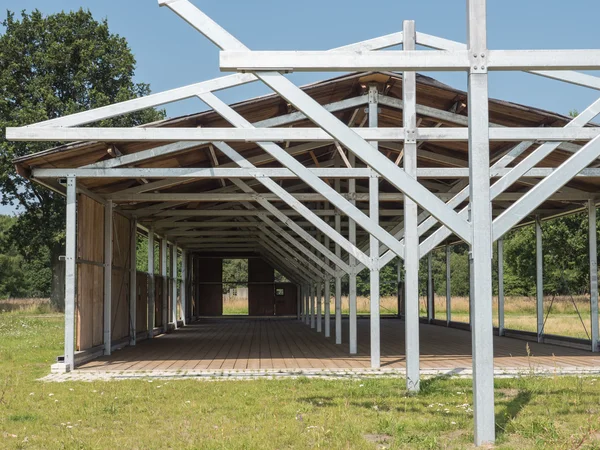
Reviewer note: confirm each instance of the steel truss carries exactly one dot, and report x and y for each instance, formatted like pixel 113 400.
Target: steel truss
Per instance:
pixel 307 259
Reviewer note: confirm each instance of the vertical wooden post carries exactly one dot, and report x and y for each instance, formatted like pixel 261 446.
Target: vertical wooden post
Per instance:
pixel 133 283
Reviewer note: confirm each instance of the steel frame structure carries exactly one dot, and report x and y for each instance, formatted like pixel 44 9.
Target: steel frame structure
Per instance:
pixel 307 259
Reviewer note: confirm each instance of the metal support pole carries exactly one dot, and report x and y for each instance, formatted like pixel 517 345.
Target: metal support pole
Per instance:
pixel 539 279
pixel 298 302
pixel 108 250
pixel 174 287
pixel 151 296
pixel 70 274
pixel 448 286
pixel 312 305
pixel 133 283
pixel 373 242
pixel 183 286
pixel 307 304
pixel 481 224
pixel 500 287
pixel 165 285
pixel 319 307
pixel 411 236
pixel 327 294
pixel 593 242
pixel 430 298
pixel 338 282
pixel 374 275
pixel 352 319
pixel 400 289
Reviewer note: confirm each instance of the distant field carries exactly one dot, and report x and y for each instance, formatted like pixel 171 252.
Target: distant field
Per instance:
pixel 39 305
pixel 519 312
pixel 531 412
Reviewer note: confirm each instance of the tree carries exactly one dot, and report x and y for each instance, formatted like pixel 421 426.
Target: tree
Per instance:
pixel 51 66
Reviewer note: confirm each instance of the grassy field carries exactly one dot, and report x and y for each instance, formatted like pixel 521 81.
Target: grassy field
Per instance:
pixel 519 312
pixel 554 412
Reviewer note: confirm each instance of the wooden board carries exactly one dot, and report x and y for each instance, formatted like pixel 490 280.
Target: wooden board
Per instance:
pixel 210 296
pixel 90 272
pixel 141 312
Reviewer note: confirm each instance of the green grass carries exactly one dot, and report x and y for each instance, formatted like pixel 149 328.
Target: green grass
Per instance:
pixel 555 412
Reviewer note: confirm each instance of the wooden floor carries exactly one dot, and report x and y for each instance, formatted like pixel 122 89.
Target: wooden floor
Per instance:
pixel 242 344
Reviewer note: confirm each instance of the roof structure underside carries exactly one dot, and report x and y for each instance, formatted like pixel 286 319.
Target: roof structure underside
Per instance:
pixel 347 97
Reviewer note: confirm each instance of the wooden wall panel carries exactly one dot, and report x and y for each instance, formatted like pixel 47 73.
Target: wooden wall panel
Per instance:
pixel 261 297
pixel 120 277
pixel 286 305
pixel 158 301
pixel 141 313
pixel 210 296
pixel 90 273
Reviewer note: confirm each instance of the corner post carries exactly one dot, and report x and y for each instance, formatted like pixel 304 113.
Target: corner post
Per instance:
pixel 481 224
pixel 108 251
pixel 133 283
pixel 593 242
pixel 70 274
pixel 539 279
pixel 411 236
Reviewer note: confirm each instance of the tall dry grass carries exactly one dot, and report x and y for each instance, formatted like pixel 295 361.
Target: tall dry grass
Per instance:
pixel 26 305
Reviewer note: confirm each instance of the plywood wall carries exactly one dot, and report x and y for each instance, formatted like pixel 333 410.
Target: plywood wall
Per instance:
pixel 210 296
pixel 261 296
pixel 90 272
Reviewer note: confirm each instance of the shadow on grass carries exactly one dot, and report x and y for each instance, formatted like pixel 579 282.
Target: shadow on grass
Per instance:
pixel 511 411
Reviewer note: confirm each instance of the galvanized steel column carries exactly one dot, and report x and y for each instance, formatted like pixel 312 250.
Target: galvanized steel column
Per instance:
pixel 539 279
pixel 411 236
pixel 448 286
pixel 593 242
pixel 151 295
pixel 501 287
pixel 70 273
pixel 481 224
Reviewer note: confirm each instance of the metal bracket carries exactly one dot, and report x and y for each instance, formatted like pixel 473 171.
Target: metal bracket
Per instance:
pixel 479 62
pixel 410 136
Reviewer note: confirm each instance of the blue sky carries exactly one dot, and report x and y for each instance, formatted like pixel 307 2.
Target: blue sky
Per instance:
pixel 170 53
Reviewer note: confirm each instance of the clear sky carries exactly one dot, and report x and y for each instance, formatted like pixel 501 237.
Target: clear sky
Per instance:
pixel 170 53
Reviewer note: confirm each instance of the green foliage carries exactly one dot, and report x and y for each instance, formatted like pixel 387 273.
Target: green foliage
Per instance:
pixel 51 66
